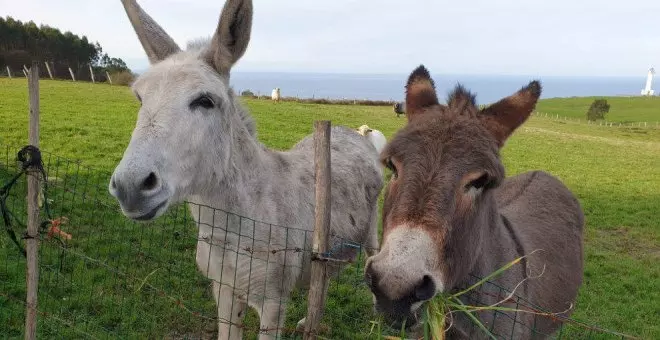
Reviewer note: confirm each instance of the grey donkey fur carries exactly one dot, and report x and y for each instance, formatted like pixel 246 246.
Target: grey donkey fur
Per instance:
pixel 194 142
pixel 535 212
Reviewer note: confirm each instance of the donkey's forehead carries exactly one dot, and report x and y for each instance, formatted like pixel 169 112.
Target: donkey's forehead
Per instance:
pixel 184 70
pixel 442 134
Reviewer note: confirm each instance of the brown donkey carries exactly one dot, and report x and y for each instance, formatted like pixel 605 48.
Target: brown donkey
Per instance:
pixel 450 215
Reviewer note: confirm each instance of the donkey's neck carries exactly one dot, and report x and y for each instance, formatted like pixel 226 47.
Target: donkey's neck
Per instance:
pixel 251 177
pixel 501 245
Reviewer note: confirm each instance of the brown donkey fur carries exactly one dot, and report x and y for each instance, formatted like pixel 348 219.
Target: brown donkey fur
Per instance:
pixel 451 215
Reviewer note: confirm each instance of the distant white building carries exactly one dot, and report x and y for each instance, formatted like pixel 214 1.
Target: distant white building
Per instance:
pixel 647 91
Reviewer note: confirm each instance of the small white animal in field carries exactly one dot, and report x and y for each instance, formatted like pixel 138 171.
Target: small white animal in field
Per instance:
pixel 275 95
pixel 376 137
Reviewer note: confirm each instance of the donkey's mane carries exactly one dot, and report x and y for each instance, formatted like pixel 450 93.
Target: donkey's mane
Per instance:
pixel 461 99
pixel 461 93
pixel 198 44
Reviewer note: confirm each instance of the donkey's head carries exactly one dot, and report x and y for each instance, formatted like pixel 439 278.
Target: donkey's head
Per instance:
pixel 439 203
pixel 189 116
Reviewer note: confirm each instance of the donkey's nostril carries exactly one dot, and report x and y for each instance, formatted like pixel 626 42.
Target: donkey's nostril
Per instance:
pixel 150 182
pixel 113 184
pixel 426 289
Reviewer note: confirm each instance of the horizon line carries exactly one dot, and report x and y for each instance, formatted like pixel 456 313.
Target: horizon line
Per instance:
pixel 402 74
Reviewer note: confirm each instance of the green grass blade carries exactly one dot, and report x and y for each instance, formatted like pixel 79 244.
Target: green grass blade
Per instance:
pixel 462 307
pixel 436 316
pixel 493 274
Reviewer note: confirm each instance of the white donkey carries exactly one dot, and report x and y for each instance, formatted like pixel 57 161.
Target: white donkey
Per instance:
pixel 194 142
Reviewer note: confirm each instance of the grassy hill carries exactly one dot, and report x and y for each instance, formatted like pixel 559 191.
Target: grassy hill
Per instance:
pixel 615 172
pixel 622 109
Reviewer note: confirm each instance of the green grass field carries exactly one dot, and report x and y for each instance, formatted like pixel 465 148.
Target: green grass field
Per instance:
pixel 622 109
pixel 615 172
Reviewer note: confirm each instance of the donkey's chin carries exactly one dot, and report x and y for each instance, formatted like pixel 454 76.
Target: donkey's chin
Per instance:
pixel 158 210
pixel 410 320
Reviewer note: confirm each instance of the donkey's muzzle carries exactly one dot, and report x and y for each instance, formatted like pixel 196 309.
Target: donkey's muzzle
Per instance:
pixel 404 309
pixel 142 199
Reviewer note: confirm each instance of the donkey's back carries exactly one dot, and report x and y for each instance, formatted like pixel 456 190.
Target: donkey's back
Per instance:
pixel 546 217
pixel 356 184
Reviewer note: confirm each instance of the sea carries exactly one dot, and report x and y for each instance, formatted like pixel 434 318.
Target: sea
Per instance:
pixel 488 88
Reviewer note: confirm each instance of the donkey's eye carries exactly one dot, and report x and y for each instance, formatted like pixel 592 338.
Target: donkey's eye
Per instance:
pixel 482 182
pixel 390 165
pixel 203 101
pixel 138 98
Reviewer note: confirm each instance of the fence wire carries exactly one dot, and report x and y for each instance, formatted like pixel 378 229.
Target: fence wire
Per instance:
pixel 524 322
pixel 103 276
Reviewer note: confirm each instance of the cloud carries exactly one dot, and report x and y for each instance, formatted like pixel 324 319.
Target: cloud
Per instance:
pixel 562 37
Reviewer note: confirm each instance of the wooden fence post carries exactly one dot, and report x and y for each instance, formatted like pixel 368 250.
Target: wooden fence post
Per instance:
pixel 9 72
pixel 32 241
pixel 71 73
pixel 319 275
pixel 109 79
pixel 91 73
pixel 50 74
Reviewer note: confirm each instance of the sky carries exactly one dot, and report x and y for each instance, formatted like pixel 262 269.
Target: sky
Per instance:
pixel 494 37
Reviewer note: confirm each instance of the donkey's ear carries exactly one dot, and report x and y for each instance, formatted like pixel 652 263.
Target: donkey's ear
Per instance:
pixel 506 115
pixel 156 43
pixel 420 92
pixel 232 35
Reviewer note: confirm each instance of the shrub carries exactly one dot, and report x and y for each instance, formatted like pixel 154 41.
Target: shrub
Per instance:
pixel 247 93
pixel 598 109
pixel 122 78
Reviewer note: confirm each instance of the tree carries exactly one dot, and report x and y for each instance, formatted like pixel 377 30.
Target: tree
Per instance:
pixel 598 109
pixel 247 93
pixel 21 43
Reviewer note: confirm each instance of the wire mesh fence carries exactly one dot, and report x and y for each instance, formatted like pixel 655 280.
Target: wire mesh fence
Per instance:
pixel 516 318
pixel 633 126
pixel 104 276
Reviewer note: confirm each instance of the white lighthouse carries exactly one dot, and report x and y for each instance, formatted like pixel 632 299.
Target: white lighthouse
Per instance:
pixel 647 91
